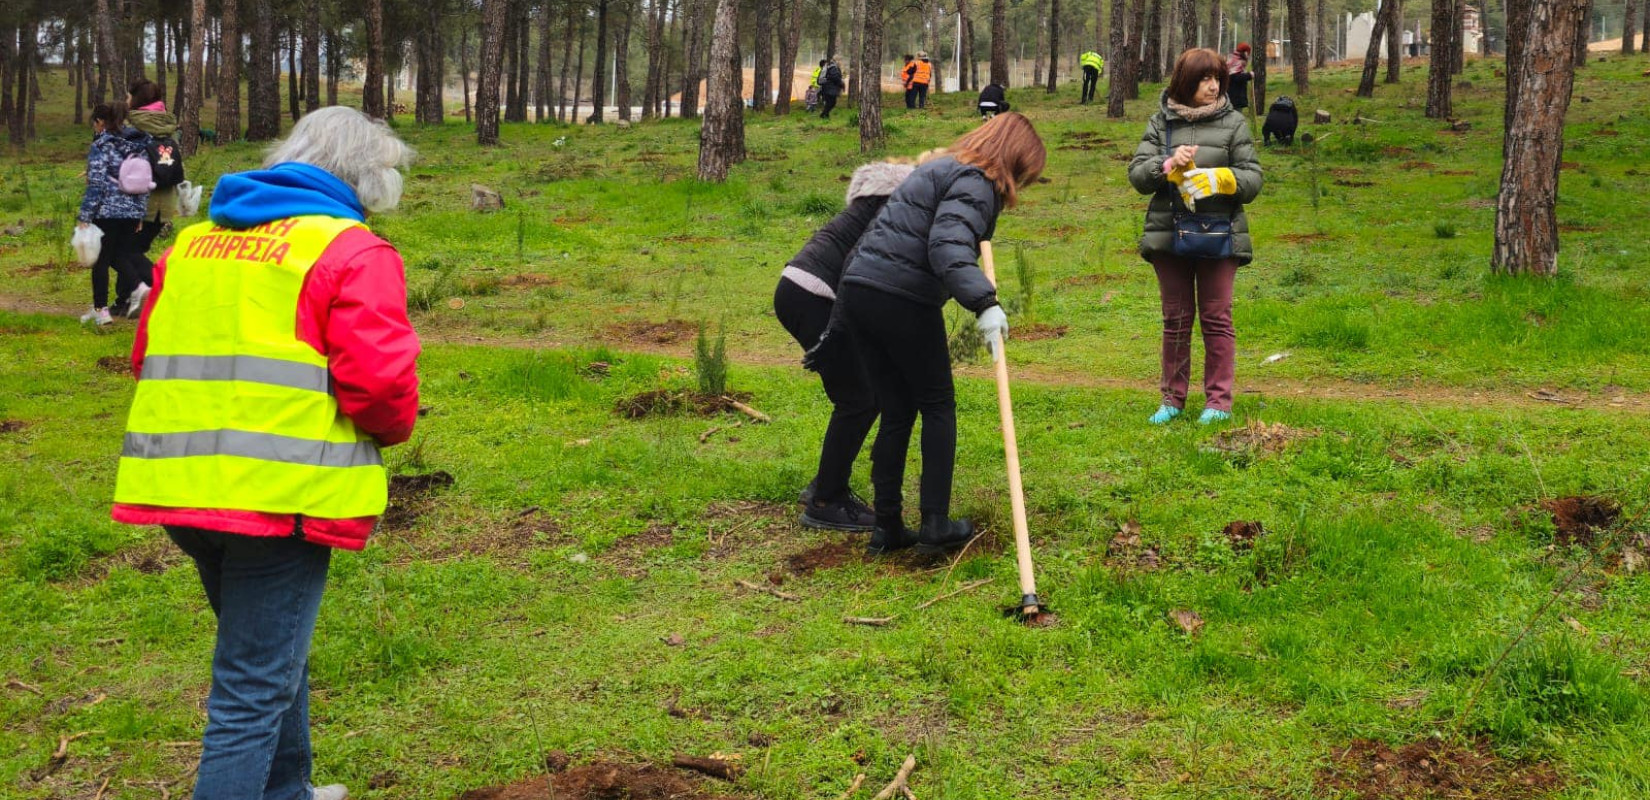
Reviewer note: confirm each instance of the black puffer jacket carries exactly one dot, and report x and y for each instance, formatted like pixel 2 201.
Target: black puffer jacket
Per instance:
pixel 925 244
pixel 826 253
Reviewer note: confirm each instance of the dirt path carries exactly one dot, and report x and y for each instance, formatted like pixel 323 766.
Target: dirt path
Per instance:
pixel 1524 397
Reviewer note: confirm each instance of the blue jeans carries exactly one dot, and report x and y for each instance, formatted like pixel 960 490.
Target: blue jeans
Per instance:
pixel 266 593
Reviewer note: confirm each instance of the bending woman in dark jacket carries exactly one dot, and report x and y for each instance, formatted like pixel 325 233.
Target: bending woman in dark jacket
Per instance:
pixel 922 251
pixel 803 304
pixel 1197 155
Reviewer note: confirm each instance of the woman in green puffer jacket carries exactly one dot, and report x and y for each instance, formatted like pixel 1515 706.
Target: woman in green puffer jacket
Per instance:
pixel 1197 157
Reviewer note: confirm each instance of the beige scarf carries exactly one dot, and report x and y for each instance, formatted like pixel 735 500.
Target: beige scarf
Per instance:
pixel 1191 114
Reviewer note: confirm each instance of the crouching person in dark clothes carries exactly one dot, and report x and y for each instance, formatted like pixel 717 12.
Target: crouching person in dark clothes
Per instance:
pixel 274 358
pixel 803 303
pixel 923 250
pixel 993 100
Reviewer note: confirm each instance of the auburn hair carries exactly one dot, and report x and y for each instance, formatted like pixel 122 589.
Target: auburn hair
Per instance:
pixel 1007 149
pixel 145 92
pixel 1190 69
pixel 112 115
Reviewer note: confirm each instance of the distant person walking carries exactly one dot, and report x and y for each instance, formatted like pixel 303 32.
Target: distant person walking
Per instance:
pixel 1238 77
pixel 906 75
pixel 831 86
pixel 1197 161
pixel 149 115
pixel 922 251
pixel 803 303
pixel 811 96
pixel 921 77
pixel 274 359
pixel 117 194
pixel 1093 67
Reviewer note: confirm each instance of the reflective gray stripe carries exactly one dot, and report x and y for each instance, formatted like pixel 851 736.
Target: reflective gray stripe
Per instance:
pixel 247 444
pixel 255 369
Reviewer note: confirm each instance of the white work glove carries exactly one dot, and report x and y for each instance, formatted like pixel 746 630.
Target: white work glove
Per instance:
pixel 993 326
pixel 1201 183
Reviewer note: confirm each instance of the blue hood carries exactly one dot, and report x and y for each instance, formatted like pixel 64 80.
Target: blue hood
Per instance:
pixel 290 189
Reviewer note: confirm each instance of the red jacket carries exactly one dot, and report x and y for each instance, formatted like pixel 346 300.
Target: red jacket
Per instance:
pixel 353 310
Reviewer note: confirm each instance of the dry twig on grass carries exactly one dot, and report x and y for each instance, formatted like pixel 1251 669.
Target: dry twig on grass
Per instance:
pixel 714 767
pixel 757 587
pixel 899 782
pixel 705 437
pixel 853 788
pixel 875 622
pixel 59 756
pixel 102 789
pixel 959 590
pixel 17 684
pixel 747 410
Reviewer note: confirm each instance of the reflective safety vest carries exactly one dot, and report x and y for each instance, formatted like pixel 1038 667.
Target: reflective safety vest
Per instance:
pixel 233 410
pixel 1093 59
pixel 925 72
pixel 816 76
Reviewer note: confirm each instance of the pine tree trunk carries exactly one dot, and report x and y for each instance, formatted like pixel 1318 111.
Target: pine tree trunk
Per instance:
pixel 1526 223
pixel 974 63
pixel 721 138
pixel 1212 37
pixel 1458 40
pixel 1629 21
pixel 214 39
pixel 312 55
pixel 692 57
pixel 578 74
pixel 1372 56
pixel 1583 30
pixel 544 103
pixel 1257 59
pixel 1300 50
pixel 936 79
pixel 1644 26
pixel 655 37
pixel 294 95
pixel 1188 25
pixel 263 101
pixel 464 70
pixel 8 63
pixel 999 42
pixel 1053 46
pixel 110 63
pixel 1154 43
pixel 790 41
pixel 335 63
pixel 195 81
pixel 1438 71
pixel 180 36
pixel 160 54
pixel 372 85
pixel 968 72
pixel 491 69
pixel 856 43
pixel 512 60
pixel 1136 67
pixel 77 70
pixel 1041 12
pixel 1518 29
pixel 566 64
pixel 621 62
pixel 830 32
pixel 428 108
pixel 28 37
pixel 524 65
pixel 1394 40
pixel 1320 44
pixel 1117 57
pixel 870 97
pixel 762 54
pixel 598 81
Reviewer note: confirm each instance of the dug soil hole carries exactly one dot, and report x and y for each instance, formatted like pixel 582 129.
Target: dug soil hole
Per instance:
pixel 600 781
pixel 665 402
pixel 12 425
pixel 115 365
pixel 671 331
pixel 1579 520
pixel 1038 331
pixel 1373 770
pixel 410 497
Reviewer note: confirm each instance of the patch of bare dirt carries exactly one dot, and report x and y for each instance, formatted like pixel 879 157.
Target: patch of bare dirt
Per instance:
pixel 830 555
pixel 1258 437
pixel 661 402
pixel 1344 172
pixel 1458 173
pixel 12 425
pixel 629 554
pixel 1039 331
pixel 670 331
pixel 152 556
pixel 1126 550
pixel 601 780
pixel 1581 519
pixel 1241 534
pixel 115 365
pixel 527 279
pixel 410 497
pixel 1353 184
pixel 1428 165
pixel 1372 770
pixel 1393 151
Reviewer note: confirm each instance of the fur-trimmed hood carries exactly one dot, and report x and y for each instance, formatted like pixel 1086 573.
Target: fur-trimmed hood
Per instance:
pixel 879 179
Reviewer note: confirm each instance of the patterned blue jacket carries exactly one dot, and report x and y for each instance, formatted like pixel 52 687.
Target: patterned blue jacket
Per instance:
pixel 104 199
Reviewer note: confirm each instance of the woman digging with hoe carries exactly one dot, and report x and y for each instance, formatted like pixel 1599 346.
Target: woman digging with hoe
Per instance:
pixel 922 250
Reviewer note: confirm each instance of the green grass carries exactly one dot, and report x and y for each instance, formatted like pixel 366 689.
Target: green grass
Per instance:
pixel 526 608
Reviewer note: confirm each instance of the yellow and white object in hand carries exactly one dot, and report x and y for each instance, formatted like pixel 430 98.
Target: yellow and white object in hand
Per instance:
pixel 1201 183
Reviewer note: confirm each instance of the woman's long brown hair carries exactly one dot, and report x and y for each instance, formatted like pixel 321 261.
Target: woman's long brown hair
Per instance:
pixel 1009 152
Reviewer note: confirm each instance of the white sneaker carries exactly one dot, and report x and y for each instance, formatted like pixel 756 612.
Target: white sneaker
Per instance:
pixel 100 316
pixel 334 791
pixel 88 316
pixel 134 306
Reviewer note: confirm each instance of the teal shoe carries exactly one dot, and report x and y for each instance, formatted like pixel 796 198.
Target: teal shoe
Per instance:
pixel 1163 415
pixel 1211 416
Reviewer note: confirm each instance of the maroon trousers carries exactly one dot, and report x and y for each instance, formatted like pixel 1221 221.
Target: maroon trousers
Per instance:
pixel 1201 289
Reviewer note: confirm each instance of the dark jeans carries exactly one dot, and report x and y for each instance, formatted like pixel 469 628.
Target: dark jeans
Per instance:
pixel 829 102
pixel 911 96
pixel 1091 81
pixel 145 272
pixel 1200 289
pixel 265 592
pixel 903 346
pixel 122 251
pixel 854 406
pixel 922 94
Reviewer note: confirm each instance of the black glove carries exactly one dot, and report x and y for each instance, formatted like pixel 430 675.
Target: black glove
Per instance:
pixel 822 351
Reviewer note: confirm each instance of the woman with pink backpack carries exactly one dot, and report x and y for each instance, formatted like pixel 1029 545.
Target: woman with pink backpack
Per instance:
pixel 118 181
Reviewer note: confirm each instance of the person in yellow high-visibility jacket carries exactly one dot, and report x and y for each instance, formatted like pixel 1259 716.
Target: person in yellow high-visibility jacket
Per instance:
pixel 1093 67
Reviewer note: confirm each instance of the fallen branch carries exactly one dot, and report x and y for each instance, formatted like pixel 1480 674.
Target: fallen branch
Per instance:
pixel 900 779
pixel 705 437
pixel 964 588
pixel 17 684
pixel 875 622
pixel 747 410
pixel 101 790
pixel 853 788
pixel 909 795
pixel 757 587
pixel 714 767
pixel 59 756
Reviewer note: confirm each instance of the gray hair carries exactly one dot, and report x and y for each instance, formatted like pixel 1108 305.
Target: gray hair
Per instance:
pixel 357 149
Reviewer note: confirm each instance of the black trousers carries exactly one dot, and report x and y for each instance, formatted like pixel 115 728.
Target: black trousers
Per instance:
pixel 122 251
pixel 922 94
pixel 145 271
pixel 902 344
pixel 911 96
pixel 1091 81
pixel 829 102
pixel 854 406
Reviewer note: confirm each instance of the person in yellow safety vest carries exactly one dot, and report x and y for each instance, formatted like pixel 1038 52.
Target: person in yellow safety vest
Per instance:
pixel 921 77
pixel 906 74
pixel 274 358
pixel 811 96
pixel 1093 67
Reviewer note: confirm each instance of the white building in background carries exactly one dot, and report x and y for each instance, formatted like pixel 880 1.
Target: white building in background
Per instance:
pixel 1360 27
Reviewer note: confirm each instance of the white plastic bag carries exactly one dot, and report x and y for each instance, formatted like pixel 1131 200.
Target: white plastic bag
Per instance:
pixel 189 199
pixel 87 243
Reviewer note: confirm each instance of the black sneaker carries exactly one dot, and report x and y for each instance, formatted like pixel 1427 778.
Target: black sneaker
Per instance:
pixel 940 532
pixel 807 496
pixel 882 542
pixel 847 514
